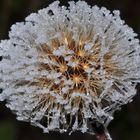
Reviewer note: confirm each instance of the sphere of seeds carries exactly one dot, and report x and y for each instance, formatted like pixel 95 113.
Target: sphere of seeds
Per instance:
pixel 65 68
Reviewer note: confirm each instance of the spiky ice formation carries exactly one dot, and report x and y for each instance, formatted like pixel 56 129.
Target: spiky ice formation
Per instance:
pixel 64 68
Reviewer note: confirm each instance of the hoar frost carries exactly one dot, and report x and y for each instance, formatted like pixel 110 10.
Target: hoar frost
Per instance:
pixel 67 67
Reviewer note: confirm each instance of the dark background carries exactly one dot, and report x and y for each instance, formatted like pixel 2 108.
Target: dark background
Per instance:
pixel 125 126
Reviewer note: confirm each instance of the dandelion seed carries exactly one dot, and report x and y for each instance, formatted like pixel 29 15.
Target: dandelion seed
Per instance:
pixel 69 69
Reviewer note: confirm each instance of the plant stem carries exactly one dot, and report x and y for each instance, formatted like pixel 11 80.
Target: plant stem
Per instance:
pixel 104 136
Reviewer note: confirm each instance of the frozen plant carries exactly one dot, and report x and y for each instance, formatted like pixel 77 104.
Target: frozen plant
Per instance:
pixel 69 68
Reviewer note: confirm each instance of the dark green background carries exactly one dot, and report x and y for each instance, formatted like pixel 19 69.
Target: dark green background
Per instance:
pixel 125 126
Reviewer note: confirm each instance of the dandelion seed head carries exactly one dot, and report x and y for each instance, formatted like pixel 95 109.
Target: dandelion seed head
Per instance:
pixel 65 66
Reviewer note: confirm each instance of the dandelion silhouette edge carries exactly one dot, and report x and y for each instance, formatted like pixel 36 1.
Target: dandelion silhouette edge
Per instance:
pixel 65 68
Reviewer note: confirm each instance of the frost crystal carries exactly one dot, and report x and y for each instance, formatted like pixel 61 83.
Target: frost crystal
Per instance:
pixel 64 68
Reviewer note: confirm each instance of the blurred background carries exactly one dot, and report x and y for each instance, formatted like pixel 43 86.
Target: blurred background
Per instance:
pixel 125 126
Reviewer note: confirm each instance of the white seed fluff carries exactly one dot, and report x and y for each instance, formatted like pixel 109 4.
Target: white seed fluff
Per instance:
pixel 66 67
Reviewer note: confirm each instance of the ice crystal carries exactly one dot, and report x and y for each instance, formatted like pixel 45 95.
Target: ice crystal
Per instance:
pixel 67 67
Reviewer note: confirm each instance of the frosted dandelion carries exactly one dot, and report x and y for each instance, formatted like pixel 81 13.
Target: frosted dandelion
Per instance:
pixel 67 69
